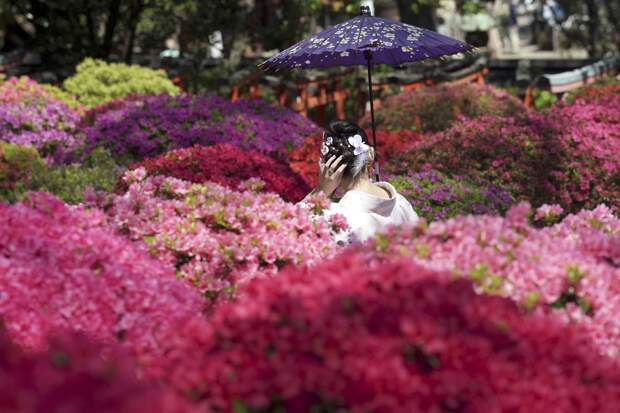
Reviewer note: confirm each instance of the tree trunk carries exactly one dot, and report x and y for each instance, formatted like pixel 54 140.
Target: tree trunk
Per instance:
pixel 137 6
pixel 614 20
pixel 110 28
pixel 593 25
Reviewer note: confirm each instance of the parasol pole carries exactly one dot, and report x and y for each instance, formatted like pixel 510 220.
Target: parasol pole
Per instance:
pixel 368 56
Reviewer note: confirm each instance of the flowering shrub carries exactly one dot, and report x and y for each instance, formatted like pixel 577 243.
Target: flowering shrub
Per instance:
pixel 436 108
pixel 568 156
pixel 30 115
pixel 25 90
pixel 435 196
pixel 216 237
pixel 17 165
pixel 569 270
pixel 548 214
pixel 304 160
pixel 98 82
pixel 72 376
pixel 609 86
pixel 229 166
pixel 61 268
pixel 22 170
pixel 97 172
pixel 592 128
pixel 360 336
pixel 152 125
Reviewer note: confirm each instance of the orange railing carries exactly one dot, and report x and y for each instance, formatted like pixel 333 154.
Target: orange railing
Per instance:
pixel 304 95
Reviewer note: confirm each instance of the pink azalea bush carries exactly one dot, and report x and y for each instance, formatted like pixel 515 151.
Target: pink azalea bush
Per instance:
pixel 72 375
pixel 568 157
pixel 569 270
pixel 62 268
pixel 358 335
pixel 31 115
pixel 592 128
pixel 30 92
pixel 436 108
pixel 214 236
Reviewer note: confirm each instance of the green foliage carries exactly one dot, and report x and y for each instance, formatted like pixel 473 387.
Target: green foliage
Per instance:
pixel 23 170
pixel 98 172
pixel 470 7
pixel 543 99
pixel 17 164
pixel 65 97
pixel 98 82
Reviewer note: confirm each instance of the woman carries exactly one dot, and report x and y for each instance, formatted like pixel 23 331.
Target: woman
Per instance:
pixel 346 163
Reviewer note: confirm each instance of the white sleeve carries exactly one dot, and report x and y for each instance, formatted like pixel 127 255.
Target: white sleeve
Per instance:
pixel 410 216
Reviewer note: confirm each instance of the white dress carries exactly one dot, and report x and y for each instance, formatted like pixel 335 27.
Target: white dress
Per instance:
pixel 367 214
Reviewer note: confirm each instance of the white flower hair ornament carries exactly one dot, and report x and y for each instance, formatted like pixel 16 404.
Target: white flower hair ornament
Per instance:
pixel 327 141
pixel 358 145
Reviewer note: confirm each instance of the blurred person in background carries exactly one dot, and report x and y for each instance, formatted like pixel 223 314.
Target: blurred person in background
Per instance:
pixel 553 14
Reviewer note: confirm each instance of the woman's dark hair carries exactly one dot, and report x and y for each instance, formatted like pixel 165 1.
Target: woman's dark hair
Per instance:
pixel 339 131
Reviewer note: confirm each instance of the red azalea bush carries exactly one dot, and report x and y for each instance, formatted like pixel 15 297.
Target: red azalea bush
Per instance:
pixel 569 270
pixel 304 160
pixel 361 336
pixel 569 156
pixel 72 375
pixel 61 268
pixel 609 86
pixel 216 237
pixel 436 108
pixel 228 165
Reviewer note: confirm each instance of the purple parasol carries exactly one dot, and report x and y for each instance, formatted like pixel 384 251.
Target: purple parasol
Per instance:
pixel 366 40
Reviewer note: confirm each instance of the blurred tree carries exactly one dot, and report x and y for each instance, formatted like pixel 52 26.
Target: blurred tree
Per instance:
pixel 68 30
pixel 593 24
pixel 419 13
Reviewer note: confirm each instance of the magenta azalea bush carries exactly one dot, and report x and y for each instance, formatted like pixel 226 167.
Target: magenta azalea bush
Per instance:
pixel 31 115
pixel 216 237
pixel 569 270
pixel 61 268
pixel 358 335
pixel 137 128
pixel 75 374
pixel 568 156
pixel 436 108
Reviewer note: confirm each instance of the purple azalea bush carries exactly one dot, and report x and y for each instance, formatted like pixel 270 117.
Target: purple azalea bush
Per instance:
pixel 140 127
pixel 436 196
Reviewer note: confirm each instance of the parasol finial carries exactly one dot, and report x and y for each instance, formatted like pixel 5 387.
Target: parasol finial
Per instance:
pixel 365 10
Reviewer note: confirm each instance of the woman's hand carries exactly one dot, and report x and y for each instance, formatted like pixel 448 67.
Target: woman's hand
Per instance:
pixel 330 175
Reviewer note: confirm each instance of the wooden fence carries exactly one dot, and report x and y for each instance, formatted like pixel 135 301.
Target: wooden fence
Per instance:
pixel 561 83
pixel 305 95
